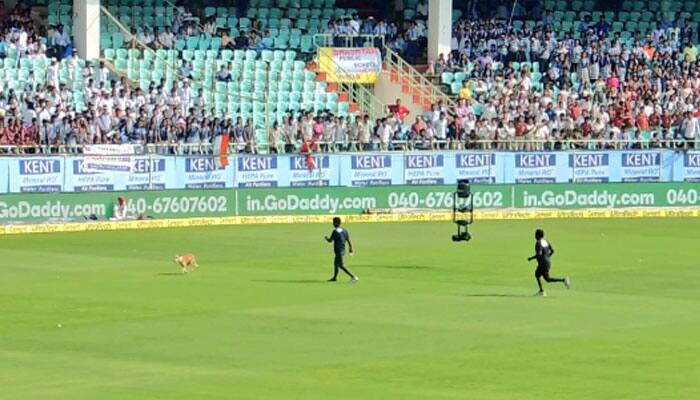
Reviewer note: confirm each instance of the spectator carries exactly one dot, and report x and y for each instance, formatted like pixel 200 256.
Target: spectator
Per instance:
pixel 399 110
pixel 166 39
pixel 60 41
pixel 119 210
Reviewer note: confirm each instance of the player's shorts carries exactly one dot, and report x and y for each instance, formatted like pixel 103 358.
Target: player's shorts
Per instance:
pixel 339 260
pixel 542 269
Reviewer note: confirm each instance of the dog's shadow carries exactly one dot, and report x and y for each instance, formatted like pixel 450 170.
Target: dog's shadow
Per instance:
pixel 171 274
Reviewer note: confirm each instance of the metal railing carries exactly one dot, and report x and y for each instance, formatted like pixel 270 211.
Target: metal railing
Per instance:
pixel 351 146
pixel 332 40
pixel 420 87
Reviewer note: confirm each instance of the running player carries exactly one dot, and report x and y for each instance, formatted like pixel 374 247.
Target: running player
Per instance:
pixel 543 251
pixel 339 236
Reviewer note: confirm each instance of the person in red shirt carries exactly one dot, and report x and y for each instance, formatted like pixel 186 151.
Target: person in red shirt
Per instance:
pixel 613 82
pixel 642 122
pixel 667 119
pixel 655 120
pixel 586 128
pixel 307 149
pixel 30 135
pixel 399 110
pixel 575 111
pixel 418 127
pixel 4 138
pixel 318 130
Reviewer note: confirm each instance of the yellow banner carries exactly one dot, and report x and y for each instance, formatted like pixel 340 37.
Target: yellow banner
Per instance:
pixel 350 65
pixel 309 219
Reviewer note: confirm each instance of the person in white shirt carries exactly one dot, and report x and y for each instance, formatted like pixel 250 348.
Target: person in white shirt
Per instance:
pixel 354 25
pixel 167 39
pixel 52 73
pixel 59 42
pixel 44 112
pixel 690 129
pixel 364 131
pixel 542 134
pixel 28 115
pixel 119 210
pixel 386 134
pixel 441 126
pixel 22 41
pixel 145 36
pixel 102 74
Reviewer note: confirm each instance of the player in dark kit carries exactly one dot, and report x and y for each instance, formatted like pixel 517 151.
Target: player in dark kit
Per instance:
pixel 543 251
pixel 339 236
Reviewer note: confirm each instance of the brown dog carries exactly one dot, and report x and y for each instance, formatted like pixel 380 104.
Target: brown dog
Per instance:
pixel 187 262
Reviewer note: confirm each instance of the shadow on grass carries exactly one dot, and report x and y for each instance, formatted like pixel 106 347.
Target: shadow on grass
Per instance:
pixel 170 274
pixel 289 281
pixel 497 295
pixel 392 266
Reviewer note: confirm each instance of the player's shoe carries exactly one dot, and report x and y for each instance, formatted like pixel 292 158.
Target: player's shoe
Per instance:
pixel 567 282
pixel 541 293
pixel 354 279
pixel 332 280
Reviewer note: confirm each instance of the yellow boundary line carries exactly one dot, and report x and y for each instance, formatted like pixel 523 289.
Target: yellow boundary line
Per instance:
pixel 296 219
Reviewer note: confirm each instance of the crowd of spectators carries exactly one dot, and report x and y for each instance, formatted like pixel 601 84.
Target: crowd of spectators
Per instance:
pixel 19 35
pixel 185 25
pixel 586 85
pixel 530 88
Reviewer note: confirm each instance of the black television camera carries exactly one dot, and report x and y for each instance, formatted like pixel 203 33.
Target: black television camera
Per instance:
pixel 462 210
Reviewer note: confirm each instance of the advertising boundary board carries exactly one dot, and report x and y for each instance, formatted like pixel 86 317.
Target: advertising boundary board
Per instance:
pixel 54 174
pixel 166 208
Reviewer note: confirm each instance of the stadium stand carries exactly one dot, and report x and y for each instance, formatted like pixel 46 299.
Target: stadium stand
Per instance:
pixel 548 74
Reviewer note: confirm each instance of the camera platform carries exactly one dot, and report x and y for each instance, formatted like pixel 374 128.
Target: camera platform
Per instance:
pixel 462 211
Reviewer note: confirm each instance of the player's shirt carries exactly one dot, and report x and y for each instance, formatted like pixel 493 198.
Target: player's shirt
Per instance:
pixel 339 236
pixel 543 250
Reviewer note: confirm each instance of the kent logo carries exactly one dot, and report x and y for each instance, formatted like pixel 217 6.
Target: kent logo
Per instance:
pixel 371 162
pixel 80 168
pixel 640 159
pixel 144 166
pixel 201 164
pixel 424 161
pixel 691 160
pixel 474 160
pixel 39 167
pixel 535 160
pixel 299 162
pixel 588 160
pixel 256 163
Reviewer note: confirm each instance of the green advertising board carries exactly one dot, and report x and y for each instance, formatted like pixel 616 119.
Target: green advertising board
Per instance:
pixel 78 206
pixel 341 200
pixel 606 195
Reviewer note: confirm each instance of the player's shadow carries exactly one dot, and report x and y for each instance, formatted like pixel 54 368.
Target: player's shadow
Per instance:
pixel 496 295
pixel 299 281
pixel 393 266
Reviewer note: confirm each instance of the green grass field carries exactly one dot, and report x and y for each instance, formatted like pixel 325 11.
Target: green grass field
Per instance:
pixel 430 319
